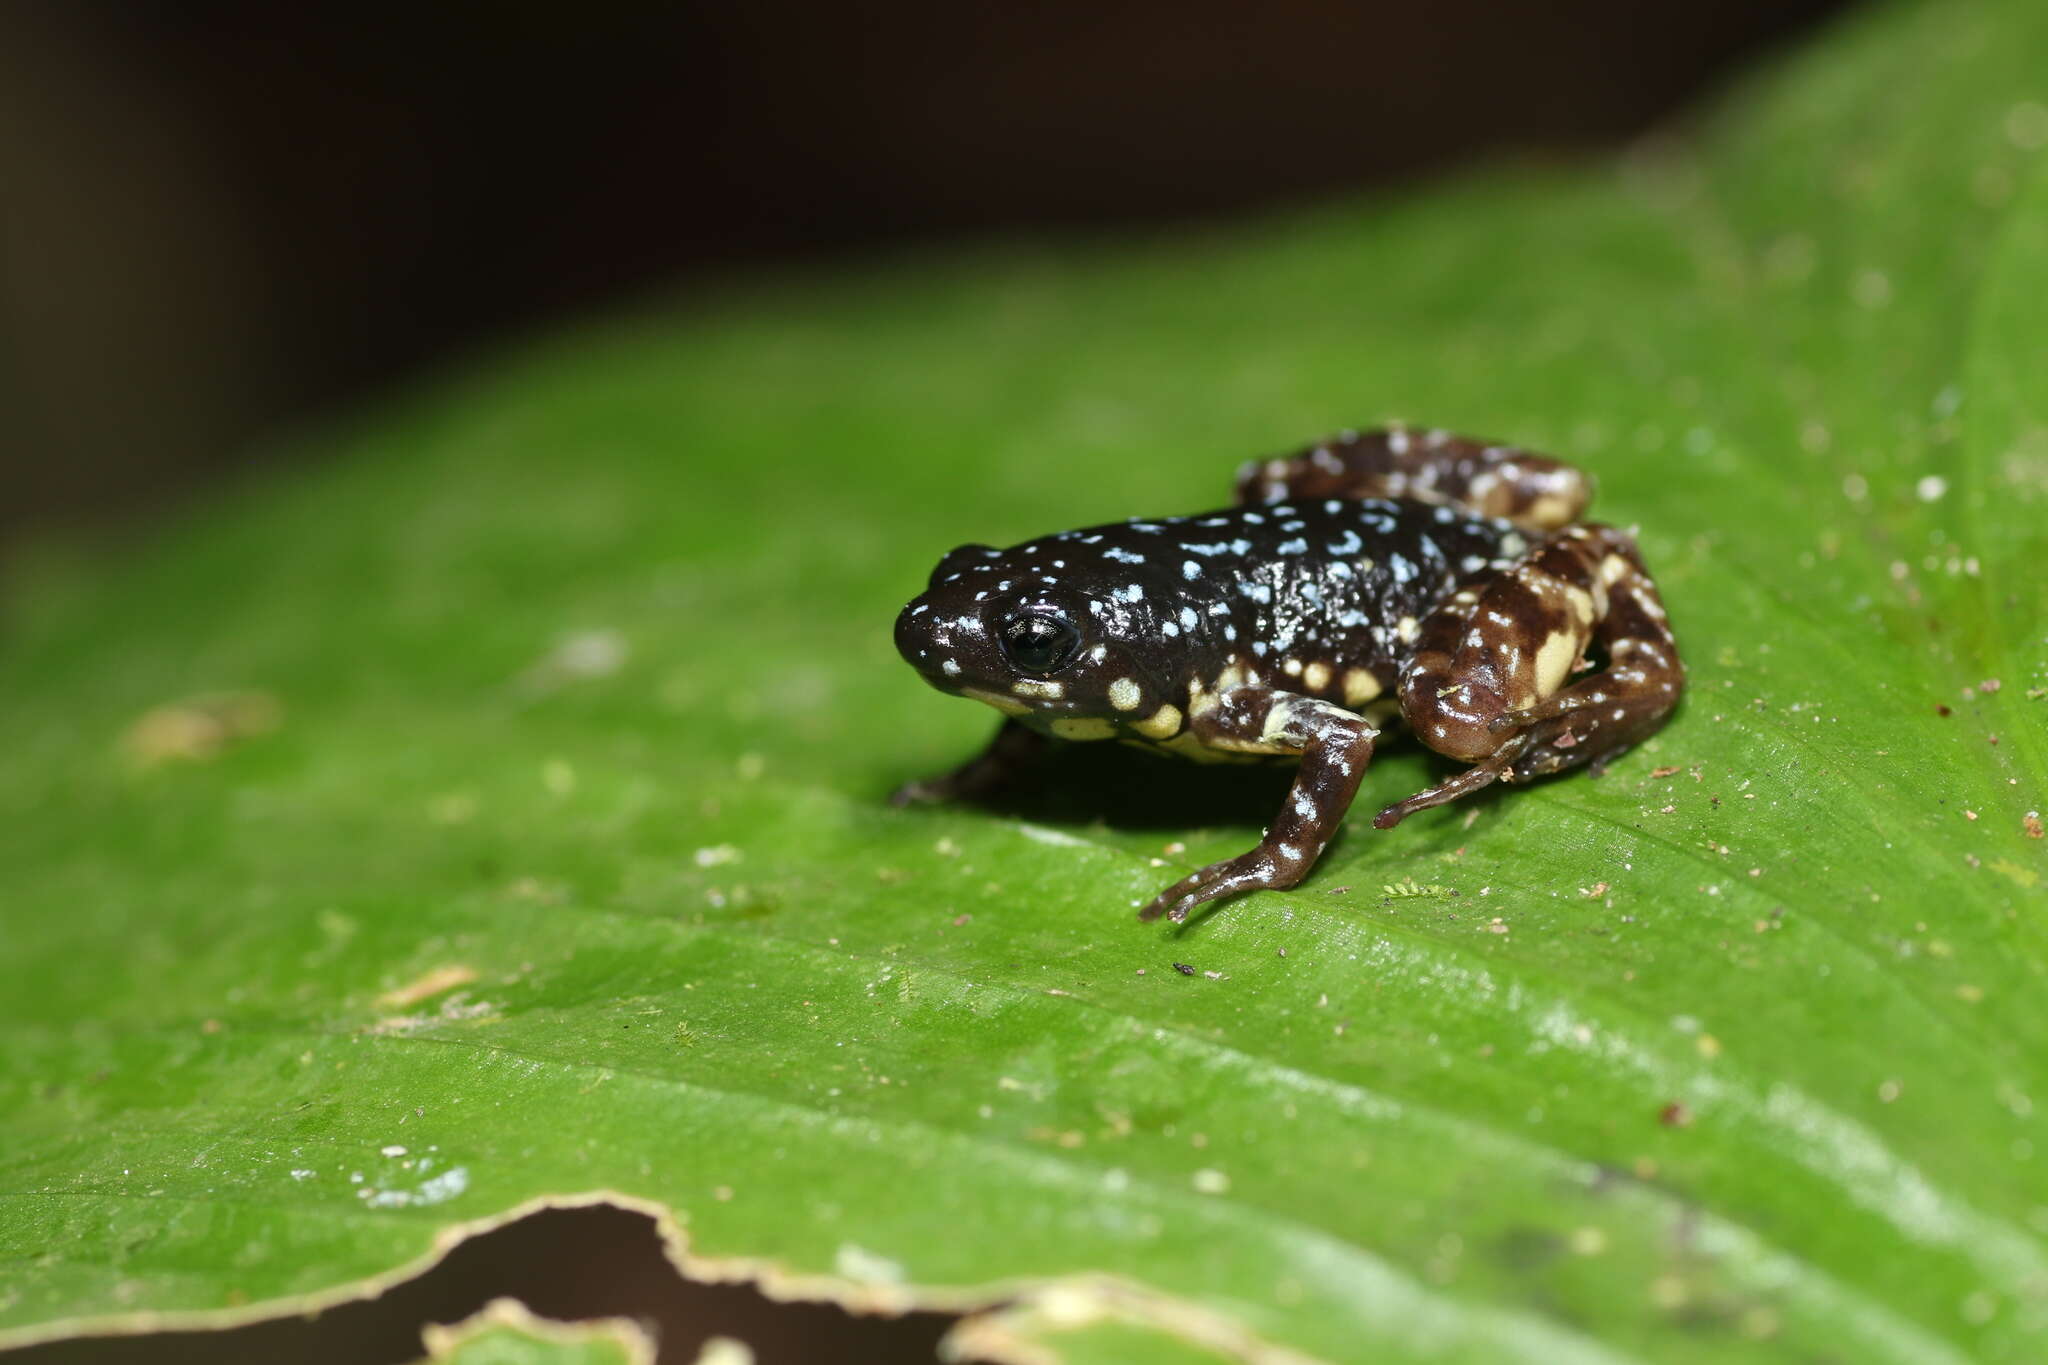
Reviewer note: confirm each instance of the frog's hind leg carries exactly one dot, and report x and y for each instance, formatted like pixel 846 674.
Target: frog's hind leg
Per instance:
pixel 1533 491
pixel 1501 677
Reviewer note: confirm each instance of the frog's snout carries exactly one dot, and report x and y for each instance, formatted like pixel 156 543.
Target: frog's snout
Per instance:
pixel 913 637
pixel 926 640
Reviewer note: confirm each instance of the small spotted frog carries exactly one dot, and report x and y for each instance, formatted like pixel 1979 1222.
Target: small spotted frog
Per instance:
pixel 1388 574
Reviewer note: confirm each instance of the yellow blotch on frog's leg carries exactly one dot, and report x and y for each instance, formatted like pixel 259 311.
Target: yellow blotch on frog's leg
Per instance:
pixel 1161 724
pixel 1083 728
pixel 1360 686
pixel 1554 661
pixel 1125 694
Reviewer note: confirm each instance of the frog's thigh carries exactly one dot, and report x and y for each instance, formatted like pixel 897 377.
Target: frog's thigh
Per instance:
pixel 1504 646
pixel 1603 713
pixel 1533 491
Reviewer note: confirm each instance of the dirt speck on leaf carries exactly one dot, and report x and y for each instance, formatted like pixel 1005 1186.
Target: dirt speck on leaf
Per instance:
pixel 427 985
pixel 197 728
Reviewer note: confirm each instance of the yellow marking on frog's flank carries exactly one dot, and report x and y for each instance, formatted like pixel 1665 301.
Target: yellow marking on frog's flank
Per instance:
pixel 1548 511
pixel 1161 724
pixel 1554 661
pixel 1581 603
pixel 1125 694
pixel 1231 676
pixel 1291 667
pixel 1360 686
pixel 1083 727
pixel 1201 701
pixel 1009 706
pixel 1613 569
pixel 1188 745
pixel 1409 629
pixel 1034 687
pixel 1316 677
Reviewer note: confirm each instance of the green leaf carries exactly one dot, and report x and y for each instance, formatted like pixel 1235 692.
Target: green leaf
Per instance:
pixel 499 819
pixel 504 1333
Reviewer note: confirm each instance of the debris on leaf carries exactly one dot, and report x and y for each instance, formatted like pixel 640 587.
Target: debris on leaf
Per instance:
pixel 1184 969
pixel 426 986
pixel 1409 888
pixel 198 728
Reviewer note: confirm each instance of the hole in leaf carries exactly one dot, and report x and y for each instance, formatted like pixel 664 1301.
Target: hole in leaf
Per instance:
pixel 568 1264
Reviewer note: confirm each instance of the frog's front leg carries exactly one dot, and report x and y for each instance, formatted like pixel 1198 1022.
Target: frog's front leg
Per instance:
pixel 1335 745
pixel 1013 748
pixel 1488 680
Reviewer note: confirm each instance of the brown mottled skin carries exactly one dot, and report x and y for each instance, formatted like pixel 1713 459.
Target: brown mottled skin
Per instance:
pixel 1379 574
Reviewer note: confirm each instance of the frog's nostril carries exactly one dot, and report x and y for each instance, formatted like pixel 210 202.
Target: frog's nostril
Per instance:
pixel 910 638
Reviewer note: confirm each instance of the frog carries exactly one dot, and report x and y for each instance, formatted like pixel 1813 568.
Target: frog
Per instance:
pixel 1389 576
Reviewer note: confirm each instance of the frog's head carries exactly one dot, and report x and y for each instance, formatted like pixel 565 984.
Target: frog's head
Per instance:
pixel 1005 627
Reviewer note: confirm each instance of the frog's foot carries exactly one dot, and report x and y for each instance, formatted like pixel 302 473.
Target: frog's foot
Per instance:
pixel 1253 871
pixel 1471 780
pixel 1013 748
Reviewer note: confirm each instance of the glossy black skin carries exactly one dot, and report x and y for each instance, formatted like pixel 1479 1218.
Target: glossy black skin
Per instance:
pixel 1171 602
pixel 1439 579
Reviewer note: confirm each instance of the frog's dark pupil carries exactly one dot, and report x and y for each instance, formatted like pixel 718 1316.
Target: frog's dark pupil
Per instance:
pixel 1037 643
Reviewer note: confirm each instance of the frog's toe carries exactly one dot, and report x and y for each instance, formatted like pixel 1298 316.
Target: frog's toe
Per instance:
pixel 1176 900
pixel 1253 871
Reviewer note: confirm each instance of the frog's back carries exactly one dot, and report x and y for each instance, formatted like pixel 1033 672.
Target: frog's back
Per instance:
pixel 1324 594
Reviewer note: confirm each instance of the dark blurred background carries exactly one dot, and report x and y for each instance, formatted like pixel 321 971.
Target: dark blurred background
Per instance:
pixel 220 217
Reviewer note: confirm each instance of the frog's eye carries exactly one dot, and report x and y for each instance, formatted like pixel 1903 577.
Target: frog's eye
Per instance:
pixel 1039 642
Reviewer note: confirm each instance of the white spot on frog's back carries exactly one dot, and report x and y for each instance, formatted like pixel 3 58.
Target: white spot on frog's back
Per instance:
pixel 1123 556
pixel 1125 694
pixel 1129 592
